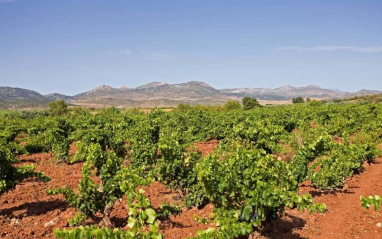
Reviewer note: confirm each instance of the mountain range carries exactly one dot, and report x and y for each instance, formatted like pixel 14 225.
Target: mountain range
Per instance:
pixel 161 94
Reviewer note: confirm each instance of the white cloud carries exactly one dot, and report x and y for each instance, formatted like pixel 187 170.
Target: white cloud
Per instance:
pixel 151 55
pixel 125 52
pixel 147 55
pixel 331 48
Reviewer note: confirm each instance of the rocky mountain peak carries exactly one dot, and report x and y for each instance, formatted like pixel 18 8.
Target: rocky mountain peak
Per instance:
pixel 102 87
pixel 151 85
pixel 313 87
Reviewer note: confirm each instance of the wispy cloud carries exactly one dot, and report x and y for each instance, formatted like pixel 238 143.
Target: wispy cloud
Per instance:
pixel 125 52
pixel 146 55
pixel 8 1
pixel 152 55
pixel 331 48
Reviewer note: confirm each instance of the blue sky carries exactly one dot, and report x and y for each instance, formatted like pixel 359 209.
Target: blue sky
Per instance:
pixel 75 45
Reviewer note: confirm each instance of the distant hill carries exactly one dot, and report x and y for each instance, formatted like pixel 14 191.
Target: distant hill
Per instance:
pixel 13 94
pixel 286 92
pixel 21 98
pixel 367 92
pixel 153 94
pixel 57 96
pixel 161 94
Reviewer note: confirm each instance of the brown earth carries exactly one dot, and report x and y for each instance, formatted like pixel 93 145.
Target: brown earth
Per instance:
pixel 28 212
pixel 207 147
pixel 25 210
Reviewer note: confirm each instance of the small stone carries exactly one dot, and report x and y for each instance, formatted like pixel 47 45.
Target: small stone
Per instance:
pixel 50 223
pixel 14 221
pixel 379 224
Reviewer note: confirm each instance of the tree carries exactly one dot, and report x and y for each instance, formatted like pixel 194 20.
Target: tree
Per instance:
pixel 232 105
pixel 183 107
pixel 79 111
pixel 298 100
pixel 250 103
pixel 58 107
pixel 315 103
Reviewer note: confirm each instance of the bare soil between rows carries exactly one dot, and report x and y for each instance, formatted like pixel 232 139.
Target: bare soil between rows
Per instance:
pixel 28 212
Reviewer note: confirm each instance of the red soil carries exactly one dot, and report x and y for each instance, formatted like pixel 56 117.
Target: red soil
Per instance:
pixel 25 210
pixel 207 147
pixel 184 225
pixel 28 212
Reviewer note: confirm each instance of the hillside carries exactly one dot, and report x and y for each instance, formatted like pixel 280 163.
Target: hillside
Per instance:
pixel 57 96
pixel 289 92
pixel 162 94
pixel 155 94
pixel 155 90
pixel 21 98
pixel 13 94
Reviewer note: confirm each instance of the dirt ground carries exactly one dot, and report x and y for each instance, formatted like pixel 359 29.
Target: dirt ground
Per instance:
pixel 28 212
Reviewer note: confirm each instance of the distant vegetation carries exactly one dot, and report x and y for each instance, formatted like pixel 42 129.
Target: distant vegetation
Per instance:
pixel 366 98
pixel 250 103
pixel 58 107
pixel 298 100
pixel 232 105
pixel 23 104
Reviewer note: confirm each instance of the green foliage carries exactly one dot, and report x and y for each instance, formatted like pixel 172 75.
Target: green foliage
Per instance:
pixel 49 135
pixel 197 197
pixel 250 103
pixel 94 232
pixel 183 107
pixel 23 114
pixel 92 197
pixel 249 185
pixel 298 100
pixel 111 111
pixel 166 210
pixel 232 105
pixel 141 213
pixel 306 154
pixel 80 112
pixel 58 108
pixel 143 139
pixel 177 165
pixel 342 163
pixel 251 178
pixel 262 134
pixel 115 181
pixel 315 103
pixel 229 226
pixel 78 220
pixel 36 145
pixel 369 201
pixel 90 232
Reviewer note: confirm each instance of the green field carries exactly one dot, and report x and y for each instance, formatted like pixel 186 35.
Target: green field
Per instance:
pixel 253 175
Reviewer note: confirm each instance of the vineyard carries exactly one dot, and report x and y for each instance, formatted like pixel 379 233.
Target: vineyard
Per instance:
pixel 193 172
